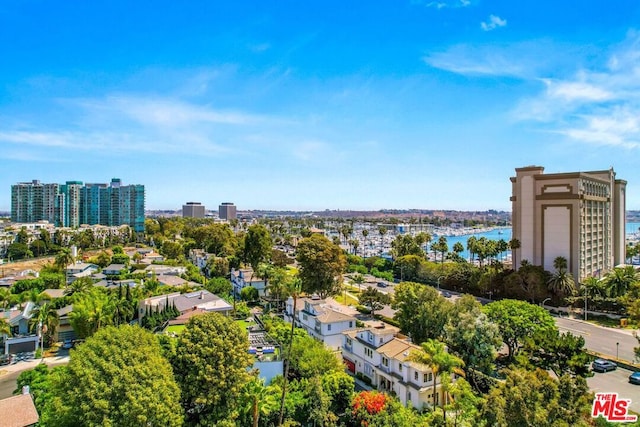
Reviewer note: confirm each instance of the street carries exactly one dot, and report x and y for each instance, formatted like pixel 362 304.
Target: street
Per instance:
pixel 606 341
pixel 9 374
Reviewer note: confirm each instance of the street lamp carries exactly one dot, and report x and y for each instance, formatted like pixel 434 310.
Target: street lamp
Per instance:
pixel 545 300
pixel 438 281
pixel 617 347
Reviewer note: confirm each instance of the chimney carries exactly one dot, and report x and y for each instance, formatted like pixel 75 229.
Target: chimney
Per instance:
pixel 25 389
pixel 201 295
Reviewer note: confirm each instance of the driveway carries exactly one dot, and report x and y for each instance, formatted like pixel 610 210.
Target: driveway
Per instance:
pixel 9 373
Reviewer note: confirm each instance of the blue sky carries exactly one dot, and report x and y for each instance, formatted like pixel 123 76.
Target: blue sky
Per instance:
pixel 318 105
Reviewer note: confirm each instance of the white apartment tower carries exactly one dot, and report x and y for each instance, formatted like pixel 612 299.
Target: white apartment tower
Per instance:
pixel 577 215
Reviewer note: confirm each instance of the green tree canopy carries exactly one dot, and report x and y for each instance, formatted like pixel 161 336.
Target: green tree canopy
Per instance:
pixel 519 320
pixel 118 377
pixel 421 311
pixel 257 245
pixel 210 365
pixel 321 265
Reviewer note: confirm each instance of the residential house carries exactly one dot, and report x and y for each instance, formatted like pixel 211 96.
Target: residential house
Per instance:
pixel 383 359
pixel 114 269
pixel 321 320
pixel 203 299
pixel 244 277
pixel 18 411
pixel 65 330
pixel 78 270
pixel 21 340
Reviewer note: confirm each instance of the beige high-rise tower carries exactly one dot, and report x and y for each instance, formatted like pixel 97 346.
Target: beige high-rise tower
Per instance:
pixel 577 215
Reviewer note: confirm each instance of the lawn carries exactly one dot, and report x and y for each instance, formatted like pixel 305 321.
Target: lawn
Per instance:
pixel 175 329
pixel 244 324
pixel 349 300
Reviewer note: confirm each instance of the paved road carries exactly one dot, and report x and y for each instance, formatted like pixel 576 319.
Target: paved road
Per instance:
pixel 616 381
pixel 600 339
pixel 9 373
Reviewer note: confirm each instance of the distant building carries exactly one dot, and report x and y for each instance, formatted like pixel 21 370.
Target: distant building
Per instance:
pixel 227 211
pixel 577 215
pixel 74 203
pixel 193 210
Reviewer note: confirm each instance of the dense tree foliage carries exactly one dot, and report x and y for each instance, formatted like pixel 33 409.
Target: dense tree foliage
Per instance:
pixel 321 265
pixel 519 321
pixel 210 365
pixel 257 245
pixel 118 377
pixel 421 311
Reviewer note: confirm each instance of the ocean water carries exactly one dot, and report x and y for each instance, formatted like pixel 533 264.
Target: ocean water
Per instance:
pixel 505 233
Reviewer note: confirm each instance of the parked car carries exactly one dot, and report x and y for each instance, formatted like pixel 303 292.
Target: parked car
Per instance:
pixel 67 344
pixel 602 365
pixel 5 359
pixel 635 378
pixel 446 294
pixel 382 285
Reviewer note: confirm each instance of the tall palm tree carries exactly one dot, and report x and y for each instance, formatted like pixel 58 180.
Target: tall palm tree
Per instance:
pixel 471 247
pixel 258 399
pixel 79 286
pixel 45 315
pixel 514 244
pixel 434 354
pixel 382 230
pixel 294 287
pixel 365 233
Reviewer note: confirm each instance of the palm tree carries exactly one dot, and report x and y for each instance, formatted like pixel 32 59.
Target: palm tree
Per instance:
pixel 46 316
pixel 258 399
pixel 63 259
pixel 562 281
pixel 294 287
pixel 514 244
pixel 78 286
pixel 620 279
pixel 382 230
pixel 471 247
pixel 354 244
pixel 365 233
pixel 434 354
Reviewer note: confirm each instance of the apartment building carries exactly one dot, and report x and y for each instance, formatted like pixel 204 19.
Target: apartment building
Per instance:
pixel 227 211
pixel 577 215
pixel 74 203
pixel 322 321
pixel 380 356
pixel 193 210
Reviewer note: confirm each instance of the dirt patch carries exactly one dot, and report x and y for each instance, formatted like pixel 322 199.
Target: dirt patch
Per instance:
pixel 15 268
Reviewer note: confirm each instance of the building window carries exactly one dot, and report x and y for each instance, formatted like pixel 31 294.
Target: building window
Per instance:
pixel 400 367
pixel 385 361
pixel 329 327
pixel 368 352
pixel 415 376
pixel 351 324
pixel 305 317
pixel 349 342
pixel 428 377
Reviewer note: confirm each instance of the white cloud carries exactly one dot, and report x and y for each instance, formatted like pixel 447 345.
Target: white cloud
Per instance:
pixel 441 4
pixel 599 105
pixel 494 22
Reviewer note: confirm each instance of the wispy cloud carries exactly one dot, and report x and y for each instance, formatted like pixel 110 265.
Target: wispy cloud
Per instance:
pixel 486 60
pixel 441 4
pixel 493 23
pixel 598 105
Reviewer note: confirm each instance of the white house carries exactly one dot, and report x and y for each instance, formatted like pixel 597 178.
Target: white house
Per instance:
pixel 246 277
pixel 321 320
pixel 203 300
pixel 78 270
pixel 383 358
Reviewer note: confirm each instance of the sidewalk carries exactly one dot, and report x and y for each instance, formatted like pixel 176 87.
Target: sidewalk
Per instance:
pixel 30 364
pixel 595 325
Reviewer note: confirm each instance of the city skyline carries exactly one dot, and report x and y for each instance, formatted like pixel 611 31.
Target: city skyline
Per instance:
pixel 290 106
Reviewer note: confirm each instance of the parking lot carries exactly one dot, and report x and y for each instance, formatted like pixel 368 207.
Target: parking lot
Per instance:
pixel 616 382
